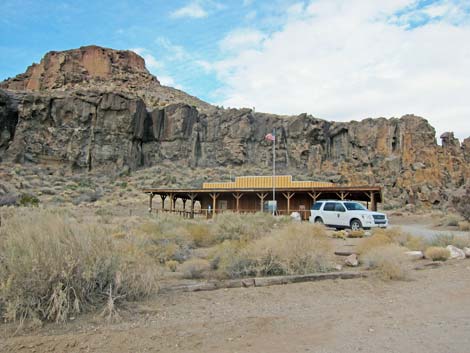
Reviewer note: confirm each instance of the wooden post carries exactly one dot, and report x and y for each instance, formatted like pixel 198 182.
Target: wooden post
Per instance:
pixel 214 196
pixel 163 197
pixel 262 196
pixel 373 202
pixel 314 195
pixel 172 201
pixel 342 195
pixel 150 202
pixel 288 195
pixel 237 196
pixel 192 197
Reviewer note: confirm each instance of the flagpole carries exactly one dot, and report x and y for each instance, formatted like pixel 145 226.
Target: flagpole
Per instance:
pixel 274 170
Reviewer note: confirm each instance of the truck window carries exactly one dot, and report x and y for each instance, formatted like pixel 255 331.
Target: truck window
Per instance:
pixel 329 206
pixel 316 206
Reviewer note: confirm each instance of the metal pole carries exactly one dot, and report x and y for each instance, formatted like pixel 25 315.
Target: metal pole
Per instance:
pixel 274 168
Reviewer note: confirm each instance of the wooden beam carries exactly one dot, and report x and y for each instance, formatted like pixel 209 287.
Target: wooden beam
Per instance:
pixel 192 196
pixel 238 196
pixel 214 196
pixel 151 195
pixel 288 195
pixel 163 197
pixel 342 195
pixel 262 196
pixel 314 195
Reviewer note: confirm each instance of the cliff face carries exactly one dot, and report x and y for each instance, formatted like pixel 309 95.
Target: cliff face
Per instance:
pixel 102 69
pixel 89 129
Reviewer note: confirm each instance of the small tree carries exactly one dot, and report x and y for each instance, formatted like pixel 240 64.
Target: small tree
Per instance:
pixel 462 204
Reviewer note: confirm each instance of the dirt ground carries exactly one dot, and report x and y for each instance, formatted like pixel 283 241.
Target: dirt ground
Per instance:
pixel 428 313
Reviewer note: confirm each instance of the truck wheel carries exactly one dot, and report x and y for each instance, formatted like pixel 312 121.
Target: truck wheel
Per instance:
pixel 356 224
pixel 318 220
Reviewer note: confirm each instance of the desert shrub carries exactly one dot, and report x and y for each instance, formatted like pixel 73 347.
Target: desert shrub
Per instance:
pixel 462 204
pixel 172 265
pixel 195 268
pixel 449 220
pixel 396 235
pixel 200 234
pixel 165 238
pixel 464 226
pixel 230 259
pixel 28 200
pixel 357 234
pixel 339 234
pixel 460 241
pixel 376 240
pixel 298 248
pixel 53 267
pixel 389 261
pixel 436 253
pixel 236 226
pixel 415 243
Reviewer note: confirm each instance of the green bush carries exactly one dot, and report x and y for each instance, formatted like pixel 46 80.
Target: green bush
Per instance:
pixel 28 200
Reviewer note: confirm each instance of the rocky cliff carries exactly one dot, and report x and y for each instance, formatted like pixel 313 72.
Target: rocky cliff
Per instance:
pixel 53 115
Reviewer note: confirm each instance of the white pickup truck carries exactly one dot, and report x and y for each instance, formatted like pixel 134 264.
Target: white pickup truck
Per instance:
pixel 346 214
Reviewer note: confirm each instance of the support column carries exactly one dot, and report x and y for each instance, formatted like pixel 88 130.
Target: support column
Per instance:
pixel 262 196
pixel 214 196
pixel 342 195
pixel 192 197
pixel 151 202
pixel 238 196
pixel 314 195
pixel 163 197
pixel 184 207
pixel 373 202
pixel 288 195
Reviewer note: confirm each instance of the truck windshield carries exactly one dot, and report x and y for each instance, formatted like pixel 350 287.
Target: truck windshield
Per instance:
pixel 354 206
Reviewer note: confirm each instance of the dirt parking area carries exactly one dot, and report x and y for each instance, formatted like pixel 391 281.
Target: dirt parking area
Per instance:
pixel 425 314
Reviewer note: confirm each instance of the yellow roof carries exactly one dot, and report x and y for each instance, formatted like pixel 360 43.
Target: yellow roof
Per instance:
pixel 281 181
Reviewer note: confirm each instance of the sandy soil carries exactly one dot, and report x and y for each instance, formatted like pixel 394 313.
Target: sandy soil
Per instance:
pixel 426 314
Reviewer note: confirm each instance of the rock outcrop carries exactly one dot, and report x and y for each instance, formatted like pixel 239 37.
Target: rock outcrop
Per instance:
pixel 96 68
pixel 57 115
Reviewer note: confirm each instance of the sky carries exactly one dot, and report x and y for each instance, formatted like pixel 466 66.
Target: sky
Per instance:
pixel 335 59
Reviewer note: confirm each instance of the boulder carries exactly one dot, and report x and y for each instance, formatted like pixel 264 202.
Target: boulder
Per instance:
pixel 351 260
pixel 455 252
pixel 295 216
pixel 466 251
pixel 415 255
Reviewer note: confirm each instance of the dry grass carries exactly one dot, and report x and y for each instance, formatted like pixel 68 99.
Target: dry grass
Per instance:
pixel 295 249
pixel 464 226
pixel 436 253
pixel 376 240
pixel 415 243
pixel 389 261
pixel 195 268
pixel 460 241
pixel 357 234
pixel 53 267
pixel 245 227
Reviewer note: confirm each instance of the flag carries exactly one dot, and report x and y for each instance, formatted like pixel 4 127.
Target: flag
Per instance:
pixel 270 137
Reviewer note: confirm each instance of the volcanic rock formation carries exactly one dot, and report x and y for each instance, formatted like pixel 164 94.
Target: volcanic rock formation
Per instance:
pixel 94 108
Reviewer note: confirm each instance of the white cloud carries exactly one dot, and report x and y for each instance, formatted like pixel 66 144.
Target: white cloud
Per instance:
pixel 241 39
pixel 343 61
pixel 167 80
pixel 150 61
pixel 192 10
pixel 173 51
